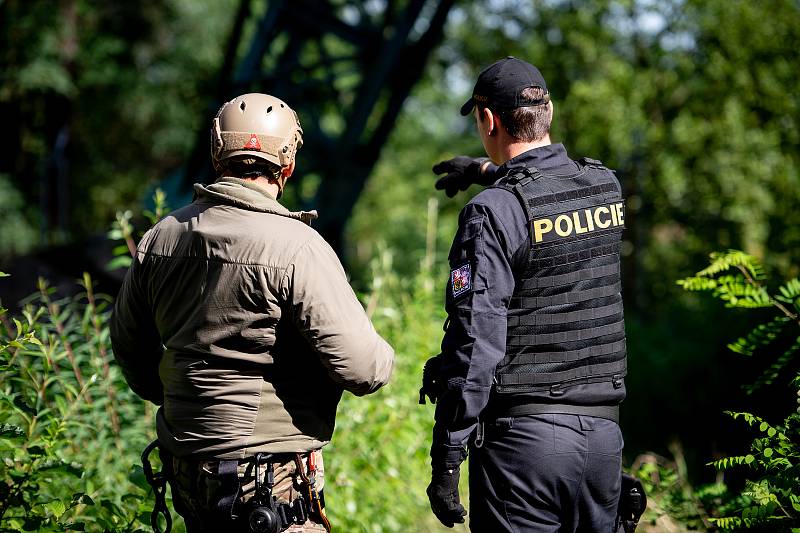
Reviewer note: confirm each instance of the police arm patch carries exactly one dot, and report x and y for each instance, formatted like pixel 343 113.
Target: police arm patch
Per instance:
pixel 461 280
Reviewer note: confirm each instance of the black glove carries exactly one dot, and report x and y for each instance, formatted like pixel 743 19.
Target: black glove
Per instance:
pixel 430 380
pixel 461 172
pixel 443 495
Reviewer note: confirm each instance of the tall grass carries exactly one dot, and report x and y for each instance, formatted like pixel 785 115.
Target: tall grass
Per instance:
pixel 378 462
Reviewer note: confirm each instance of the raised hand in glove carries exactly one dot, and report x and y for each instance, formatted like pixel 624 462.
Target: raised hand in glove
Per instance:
pixel 443 495
pixel 462 171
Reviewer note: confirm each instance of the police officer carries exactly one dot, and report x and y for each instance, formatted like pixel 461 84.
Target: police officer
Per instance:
pixel 236 317
pixel 533 359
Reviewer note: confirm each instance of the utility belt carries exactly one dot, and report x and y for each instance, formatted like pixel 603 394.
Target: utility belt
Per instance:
pixel 239 495
pixel 502 409
pixel 609 412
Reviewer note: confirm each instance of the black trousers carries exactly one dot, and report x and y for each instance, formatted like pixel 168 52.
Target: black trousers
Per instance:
pixel 546 473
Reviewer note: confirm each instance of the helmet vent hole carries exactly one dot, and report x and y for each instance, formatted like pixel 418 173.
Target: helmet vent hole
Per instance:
pixel 269 109
pixel 283 105
pixel 242 106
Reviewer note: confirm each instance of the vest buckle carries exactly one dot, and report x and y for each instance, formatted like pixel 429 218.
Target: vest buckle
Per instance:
pixel 557 390
pixel 617 381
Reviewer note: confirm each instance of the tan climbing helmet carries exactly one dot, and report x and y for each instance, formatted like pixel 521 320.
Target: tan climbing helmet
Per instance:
pixel 256 125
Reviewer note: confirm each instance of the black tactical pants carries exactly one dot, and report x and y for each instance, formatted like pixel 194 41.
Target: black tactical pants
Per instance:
pixel 546 473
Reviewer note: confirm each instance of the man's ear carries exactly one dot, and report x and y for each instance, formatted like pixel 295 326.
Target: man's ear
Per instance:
pixel 490 120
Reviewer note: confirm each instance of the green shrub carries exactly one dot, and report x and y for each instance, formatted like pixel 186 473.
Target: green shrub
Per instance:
pixel 770 500
pixel 378 462
pixel 71 428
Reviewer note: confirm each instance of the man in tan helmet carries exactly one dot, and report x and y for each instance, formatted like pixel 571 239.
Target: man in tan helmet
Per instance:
pixel 237 319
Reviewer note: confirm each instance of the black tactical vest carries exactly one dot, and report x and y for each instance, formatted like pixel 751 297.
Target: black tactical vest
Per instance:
pixel 565 319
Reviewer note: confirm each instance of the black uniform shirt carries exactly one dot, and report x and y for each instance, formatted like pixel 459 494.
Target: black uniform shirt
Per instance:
pixel 491 244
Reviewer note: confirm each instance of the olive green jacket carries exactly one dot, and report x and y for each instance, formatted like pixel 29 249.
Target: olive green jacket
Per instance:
pixel 237 318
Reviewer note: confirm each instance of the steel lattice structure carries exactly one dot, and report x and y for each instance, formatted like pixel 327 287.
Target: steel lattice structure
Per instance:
pixel 346 67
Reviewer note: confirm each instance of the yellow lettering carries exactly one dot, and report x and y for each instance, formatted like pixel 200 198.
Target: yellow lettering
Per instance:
pixel 614 215
pixel 597 221
pixel 563 232
pixel 620 214
pixel 540 227
pixel 578 228
pixel 589 220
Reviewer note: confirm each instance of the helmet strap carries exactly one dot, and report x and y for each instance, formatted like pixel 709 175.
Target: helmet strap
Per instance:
pixel 281 184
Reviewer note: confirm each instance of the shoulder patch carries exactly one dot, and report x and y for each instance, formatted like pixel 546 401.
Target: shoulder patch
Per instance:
pixel 461 280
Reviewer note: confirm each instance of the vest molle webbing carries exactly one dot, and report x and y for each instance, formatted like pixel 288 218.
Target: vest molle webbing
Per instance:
pixel 565 320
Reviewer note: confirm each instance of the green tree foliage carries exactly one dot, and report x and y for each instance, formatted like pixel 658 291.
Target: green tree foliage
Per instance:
pixel 691 114
pixel 770 500
pixel 686 99
pixel 110 94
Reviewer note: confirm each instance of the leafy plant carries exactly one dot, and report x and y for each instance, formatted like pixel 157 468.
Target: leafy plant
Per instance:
pixel 123 231
pixel 770 500
pixel 671 499
pixel 70 426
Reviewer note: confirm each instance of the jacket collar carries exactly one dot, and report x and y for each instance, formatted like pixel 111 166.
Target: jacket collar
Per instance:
pixel 550 157
pixel 246 194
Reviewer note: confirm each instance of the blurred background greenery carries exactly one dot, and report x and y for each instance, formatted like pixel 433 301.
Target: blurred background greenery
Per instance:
pixel 694 102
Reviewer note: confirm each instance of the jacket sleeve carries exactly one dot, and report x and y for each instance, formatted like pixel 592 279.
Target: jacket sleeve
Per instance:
pixel 135 339
pixel 479 289
pixel 328 314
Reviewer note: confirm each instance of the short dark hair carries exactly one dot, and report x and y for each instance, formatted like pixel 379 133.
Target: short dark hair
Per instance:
pixel 528 124
pixel 242 165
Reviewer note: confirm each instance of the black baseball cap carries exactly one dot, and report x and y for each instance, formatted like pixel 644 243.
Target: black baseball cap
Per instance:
pixel 501 84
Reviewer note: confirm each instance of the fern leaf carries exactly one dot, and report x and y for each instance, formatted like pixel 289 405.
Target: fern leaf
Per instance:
pixel 774 370
pixel 762 335
pixel 740 293
pixel 695 283
pixel 727 463
pixel 791 289
pixel 723 261
pixel 728 522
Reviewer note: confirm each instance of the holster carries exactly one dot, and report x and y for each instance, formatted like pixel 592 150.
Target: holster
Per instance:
pixel 632 504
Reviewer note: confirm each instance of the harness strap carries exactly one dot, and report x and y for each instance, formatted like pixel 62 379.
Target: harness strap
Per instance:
pixel 228 471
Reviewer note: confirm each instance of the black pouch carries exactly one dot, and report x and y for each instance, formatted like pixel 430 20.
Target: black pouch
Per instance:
pixel 632 504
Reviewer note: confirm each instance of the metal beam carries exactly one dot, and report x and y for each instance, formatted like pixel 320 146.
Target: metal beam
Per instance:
pixel 353 73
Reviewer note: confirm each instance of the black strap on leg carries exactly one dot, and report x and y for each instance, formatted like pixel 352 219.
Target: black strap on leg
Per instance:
pixel 158 481
pixel 228 471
